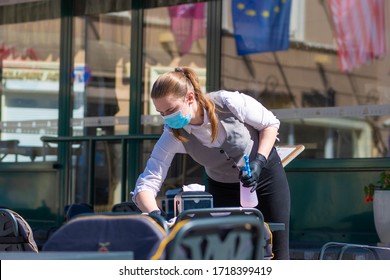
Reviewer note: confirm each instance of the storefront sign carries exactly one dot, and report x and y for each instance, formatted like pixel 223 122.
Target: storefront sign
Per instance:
pixel 40 75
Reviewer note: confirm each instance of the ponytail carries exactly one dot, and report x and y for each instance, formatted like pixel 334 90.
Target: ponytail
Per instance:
pixel 203 101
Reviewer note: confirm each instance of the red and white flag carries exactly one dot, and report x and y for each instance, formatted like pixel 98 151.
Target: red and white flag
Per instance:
pixel 359 29
pixel 187 24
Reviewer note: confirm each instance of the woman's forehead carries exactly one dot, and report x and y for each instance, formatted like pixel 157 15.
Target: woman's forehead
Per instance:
pixel 169 98
pixel 165 102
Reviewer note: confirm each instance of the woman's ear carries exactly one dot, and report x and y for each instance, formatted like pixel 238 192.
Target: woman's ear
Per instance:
pixel 190 97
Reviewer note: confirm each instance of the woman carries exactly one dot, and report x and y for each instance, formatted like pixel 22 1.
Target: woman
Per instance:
pixel 211 128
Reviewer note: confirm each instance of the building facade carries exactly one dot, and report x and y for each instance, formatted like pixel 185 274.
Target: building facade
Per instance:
pixel 78 125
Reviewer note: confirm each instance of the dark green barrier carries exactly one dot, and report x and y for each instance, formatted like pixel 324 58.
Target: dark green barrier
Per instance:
pixel 327 200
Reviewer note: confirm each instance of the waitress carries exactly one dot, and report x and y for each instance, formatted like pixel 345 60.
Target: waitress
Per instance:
pixel 211 128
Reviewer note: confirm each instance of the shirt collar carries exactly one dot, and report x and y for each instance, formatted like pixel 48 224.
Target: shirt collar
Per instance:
pixel 190 127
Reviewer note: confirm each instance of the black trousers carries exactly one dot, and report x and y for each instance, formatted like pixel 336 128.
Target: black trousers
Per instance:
pixel 274 200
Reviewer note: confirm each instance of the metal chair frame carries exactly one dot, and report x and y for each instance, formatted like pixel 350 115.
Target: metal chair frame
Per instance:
pixel 344 247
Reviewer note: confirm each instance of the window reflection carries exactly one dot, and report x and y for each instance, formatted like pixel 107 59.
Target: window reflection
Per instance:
pixel 334 113
pixel 101 96
pixel 29 67
pixel 174 37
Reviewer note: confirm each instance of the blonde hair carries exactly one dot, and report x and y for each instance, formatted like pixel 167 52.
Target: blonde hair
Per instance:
pixel 178 83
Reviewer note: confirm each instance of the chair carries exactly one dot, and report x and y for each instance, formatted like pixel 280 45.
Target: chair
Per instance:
pixel 8 147
pixel 218 211
pixel 127 206
pixel 329 249
pixel 140 234
pixel 160 220
pixel 15 233
pixel 76 209
pixel 130 207
pixel 235 211
pixel 226 211
pixel 217 238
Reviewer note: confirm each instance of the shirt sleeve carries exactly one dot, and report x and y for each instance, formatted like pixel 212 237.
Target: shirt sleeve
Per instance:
pixel 249 110
pixel 158 164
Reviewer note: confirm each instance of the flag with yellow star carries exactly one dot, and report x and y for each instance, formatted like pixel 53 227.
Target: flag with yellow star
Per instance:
pixel 261 25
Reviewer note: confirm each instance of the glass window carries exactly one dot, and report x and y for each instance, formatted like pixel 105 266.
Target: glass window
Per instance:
pixel 101 94
pixel 29 81
pixel 101 74
pixel 335 112
pixel 174 37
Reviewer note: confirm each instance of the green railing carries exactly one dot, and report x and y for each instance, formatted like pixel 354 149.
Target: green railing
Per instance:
pixel 125 140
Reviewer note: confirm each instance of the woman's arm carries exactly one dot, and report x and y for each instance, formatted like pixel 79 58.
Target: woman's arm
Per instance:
pixel 150 181
pixel 267 138
pixel 250 111
pixel 146 202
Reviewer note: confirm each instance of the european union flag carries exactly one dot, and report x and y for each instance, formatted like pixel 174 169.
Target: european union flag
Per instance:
pixel 261 25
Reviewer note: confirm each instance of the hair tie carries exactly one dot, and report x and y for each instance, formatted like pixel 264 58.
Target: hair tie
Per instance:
pixel 179 69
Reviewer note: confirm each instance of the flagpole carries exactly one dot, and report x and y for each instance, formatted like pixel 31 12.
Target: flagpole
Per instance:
pixel 327 13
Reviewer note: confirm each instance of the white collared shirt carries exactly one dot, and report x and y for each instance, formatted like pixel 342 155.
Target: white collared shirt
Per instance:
pixel 244 107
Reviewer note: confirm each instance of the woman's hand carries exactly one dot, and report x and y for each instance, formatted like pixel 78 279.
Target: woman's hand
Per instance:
pixel 256 166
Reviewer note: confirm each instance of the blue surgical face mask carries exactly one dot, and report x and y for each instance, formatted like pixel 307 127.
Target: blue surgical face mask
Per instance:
pixel 177 120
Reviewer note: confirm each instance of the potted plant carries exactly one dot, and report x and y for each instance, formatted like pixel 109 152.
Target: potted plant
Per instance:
pixel 380 195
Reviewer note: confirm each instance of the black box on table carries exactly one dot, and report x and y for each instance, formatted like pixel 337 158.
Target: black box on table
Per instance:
pixel 192 200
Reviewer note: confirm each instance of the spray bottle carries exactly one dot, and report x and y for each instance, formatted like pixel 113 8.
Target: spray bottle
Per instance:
pixel 248 199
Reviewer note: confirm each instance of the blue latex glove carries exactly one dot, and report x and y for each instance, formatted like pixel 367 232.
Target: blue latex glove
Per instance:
pixel 256 166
